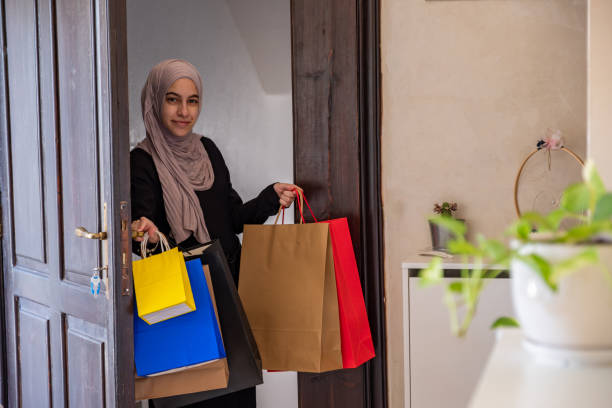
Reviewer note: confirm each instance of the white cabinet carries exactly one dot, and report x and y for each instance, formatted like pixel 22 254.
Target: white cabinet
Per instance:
pixel 441 370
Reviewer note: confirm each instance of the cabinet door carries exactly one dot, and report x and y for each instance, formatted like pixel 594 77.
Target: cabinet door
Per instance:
pixel 444 370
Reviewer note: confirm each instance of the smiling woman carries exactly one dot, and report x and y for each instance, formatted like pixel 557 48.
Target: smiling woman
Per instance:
pixel 181 107
pixel 181 185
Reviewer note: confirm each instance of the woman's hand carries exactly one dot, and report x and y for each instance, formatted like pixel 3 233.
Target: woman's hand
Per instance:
pixel 146 225
pixel 285 193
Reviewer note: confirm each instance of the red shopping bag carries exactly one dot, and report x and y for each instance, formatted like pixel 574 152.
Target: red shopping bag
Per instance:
pixel 356 338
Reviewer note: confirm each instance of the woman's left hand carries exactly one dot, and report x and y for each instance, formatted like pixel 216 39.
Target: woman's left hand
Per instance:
pixel 285 192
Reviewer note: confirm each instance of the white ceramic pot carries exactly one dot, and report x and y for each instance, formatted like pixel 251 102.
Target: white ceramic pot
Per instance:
pixel 574 324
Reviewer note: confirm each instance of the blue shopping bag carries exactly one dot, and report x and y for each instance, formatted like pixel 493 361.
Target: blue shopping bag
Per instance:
pixel 189 339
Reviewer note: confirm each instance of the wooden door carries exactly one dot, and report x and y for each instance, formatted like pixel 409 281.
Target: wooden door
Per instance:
pixel 64 157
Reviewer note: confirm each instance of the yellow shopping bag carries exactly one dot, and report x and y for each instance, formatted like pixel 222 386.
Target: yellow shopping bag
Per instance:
pixel 161 284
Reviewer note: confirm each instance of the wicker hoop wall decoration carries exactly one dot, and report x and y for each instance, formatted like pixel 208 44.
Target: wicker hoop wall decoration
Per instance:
pixel 542 146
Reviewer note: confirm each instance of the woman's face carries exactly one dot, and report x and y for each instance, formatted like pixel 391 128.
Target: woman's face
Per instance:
pixel 181 107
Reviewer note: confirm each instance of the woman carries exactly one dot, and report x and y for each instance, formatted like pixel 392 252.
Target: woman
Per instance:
pixel 181 185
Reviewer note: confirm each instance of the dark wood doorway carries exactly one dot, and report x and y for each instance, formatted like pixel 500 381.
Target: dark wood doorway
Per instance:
pixel 64 148
pixel 64 162
pixel 336 100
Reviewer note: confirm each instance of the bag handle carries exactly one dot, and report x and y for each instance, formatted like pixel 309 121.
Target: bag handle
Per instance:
pixel 162 239
pixel 300 203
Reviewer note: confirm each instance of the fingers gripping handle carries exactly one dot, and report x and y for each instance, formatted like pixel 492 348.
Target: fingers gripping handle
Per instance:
pixel 162 239
pixel 301 199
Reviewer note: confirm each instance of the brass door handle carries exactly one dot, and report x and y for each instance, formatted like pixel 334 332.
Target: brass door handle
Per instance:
pixel 83 233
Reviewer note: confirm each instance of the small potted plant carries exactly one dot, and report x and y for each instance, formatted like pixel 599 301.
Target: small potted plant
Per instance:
pixel 560 276
pixel 440 235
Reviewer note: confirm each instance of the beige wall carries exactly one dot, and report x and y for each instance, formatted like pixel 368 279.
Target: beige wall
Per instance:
pixel 600 87
pixel 468 88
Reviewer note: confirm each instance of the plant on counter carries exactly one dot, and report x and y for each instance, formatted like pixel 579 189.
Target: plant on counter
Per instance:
pixel 440 235
pixel 445 209
pixel 554 257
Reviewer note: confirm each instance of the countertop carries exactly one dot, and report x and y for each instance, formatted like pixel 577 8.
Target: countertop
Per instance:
pixel 513 379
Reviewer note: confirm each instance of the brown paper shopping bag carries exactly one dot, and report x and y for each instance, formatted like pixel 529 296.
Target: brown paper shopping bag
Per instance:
pixel 288 289
pixel 210 375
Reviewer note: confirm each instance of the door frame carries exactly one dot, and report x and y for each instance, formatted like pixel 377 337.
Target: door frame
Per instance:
pixel 120 210
pixel 372 233
pixel 337 159
pixel 3 209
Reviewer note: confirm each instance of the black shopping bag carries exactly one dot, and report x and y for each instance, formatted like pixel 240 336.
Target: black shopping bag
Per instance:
pixel 243 356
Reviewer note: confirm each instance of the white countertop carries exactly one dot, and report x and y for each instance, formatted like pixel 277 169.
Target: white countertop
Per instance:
pixel 420 262
pixel 512 379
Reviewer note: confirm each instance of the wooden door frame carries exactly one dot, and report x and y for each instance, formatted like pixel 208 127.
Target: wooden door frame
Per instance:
pixel 119 154
pixel 3 207
pixel 337 109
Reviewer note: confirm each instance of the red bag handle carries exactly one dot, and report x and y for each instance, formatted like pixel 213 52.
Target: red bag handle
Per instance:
pixel 300 204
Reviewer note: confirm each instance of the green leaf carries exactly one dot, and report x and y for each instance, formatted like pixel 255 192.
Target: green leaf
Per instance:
pixel 582 232
pixel 585 258
pixel 593 180
pixel 537 220
pixel 456 287
pixel 494 250
pixel 433 274
pixel 460 247
pixel 519 229
pixel 455 226
pixel 541 266
pixel 555 217
pixel 504 322
pixel 576 198
pixel 603 208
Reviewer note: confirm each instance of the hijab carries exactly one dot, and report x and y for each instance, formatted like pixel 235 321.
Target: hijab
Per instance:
pixel 182 163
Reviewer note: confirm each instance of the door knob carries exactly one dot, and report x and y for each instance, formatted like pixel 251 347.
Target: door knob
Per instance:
pixel 83 233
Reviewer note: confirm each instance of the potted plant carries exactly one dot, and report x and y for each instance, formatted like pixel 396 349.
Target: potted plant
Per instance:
pixel 440 235
pixel 561 282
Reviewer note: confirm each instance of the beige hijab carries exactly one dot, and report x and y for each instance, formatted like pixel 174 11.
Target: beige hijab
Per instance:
pixel 182 163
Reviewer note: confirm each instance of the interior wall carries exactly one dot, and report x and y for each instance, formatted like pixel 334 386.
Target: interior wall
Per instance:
pixel 600 87
pixel 468 87
pixel 243 52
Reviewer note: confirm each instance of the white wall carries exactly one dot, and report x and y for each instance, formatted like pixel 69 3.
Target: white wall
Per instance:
pixel 243 52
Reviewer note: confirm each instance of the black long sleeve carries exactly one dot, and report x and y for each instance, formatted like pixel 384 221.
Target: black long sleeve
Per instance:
pixel 224 212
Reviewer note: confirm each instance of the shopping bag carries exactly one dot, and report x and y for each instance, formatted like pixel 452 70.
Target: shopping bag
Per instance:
pixel 242 355
pixel 183 341
pixel 356 338
pixel 161 284
pixel 206 376
pixel 288 288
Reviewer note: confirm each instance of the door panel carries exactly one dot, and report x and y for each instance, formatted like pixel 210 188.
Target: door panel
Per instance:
pixel 34 353
pixel 60 165
pixel 28 197
pixel 79 154
pixel 85 363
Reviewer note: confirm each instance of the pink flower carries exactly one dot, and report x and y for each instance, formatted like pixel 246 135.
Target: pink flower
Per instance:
pixel 553 139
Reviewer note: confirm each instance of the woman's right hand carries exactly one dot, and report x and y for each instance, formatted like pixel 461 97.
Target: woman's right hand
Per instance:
pixel 146 225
